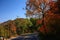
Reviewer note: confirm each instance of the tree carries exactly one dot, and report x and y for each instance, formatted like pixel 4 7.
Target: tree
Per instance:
pixel 7 31
pixel 51 14
pixel 12 28
pixel 4 32
pixel 55 17
pixel 38 8
pixel 22 25
pixel 1 30
pixel 54 7
pixel 33 27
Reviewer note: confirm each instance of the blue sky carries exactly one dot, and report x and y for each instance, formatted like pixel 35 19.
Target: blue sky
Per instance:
pixel 10 9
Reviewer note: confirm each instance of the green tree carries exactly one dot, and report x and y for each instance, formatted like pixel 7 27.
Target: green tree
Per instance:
pixel 22 25
pixel 33 27
pixel 1 30
pixel 4 32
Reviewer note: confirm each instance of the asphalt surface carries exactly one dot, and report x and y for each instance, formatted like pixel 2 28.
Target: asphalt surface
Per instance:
pixel 27 37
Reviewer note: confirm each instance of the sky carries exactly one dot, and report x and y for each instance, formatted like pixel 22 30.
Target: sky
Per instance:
pixel 11 9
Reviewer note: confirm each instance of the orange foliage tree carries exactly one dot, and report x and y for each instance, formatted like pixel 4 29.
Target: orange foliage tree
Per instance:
pixel 50 11
pixel 38 9
pixel 53 17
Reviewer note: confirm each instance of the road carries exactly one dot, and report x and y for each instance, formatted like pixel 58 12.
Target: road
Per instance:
pixel 27 37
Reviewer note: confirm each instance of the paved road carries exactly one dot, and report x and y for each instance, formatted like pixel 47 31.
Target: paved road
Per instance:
pixel 27 37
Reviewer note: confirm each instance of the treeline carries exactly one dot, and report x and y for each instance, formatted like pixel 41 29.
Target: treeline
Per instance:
pixel 17 27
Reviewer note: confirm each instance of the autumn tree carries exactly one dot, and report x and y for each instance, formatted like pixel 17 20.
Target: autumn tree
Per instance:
pixel 50 10
pixel 52 20
pixel 54 16
pixel 7 31
pixel 38 8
